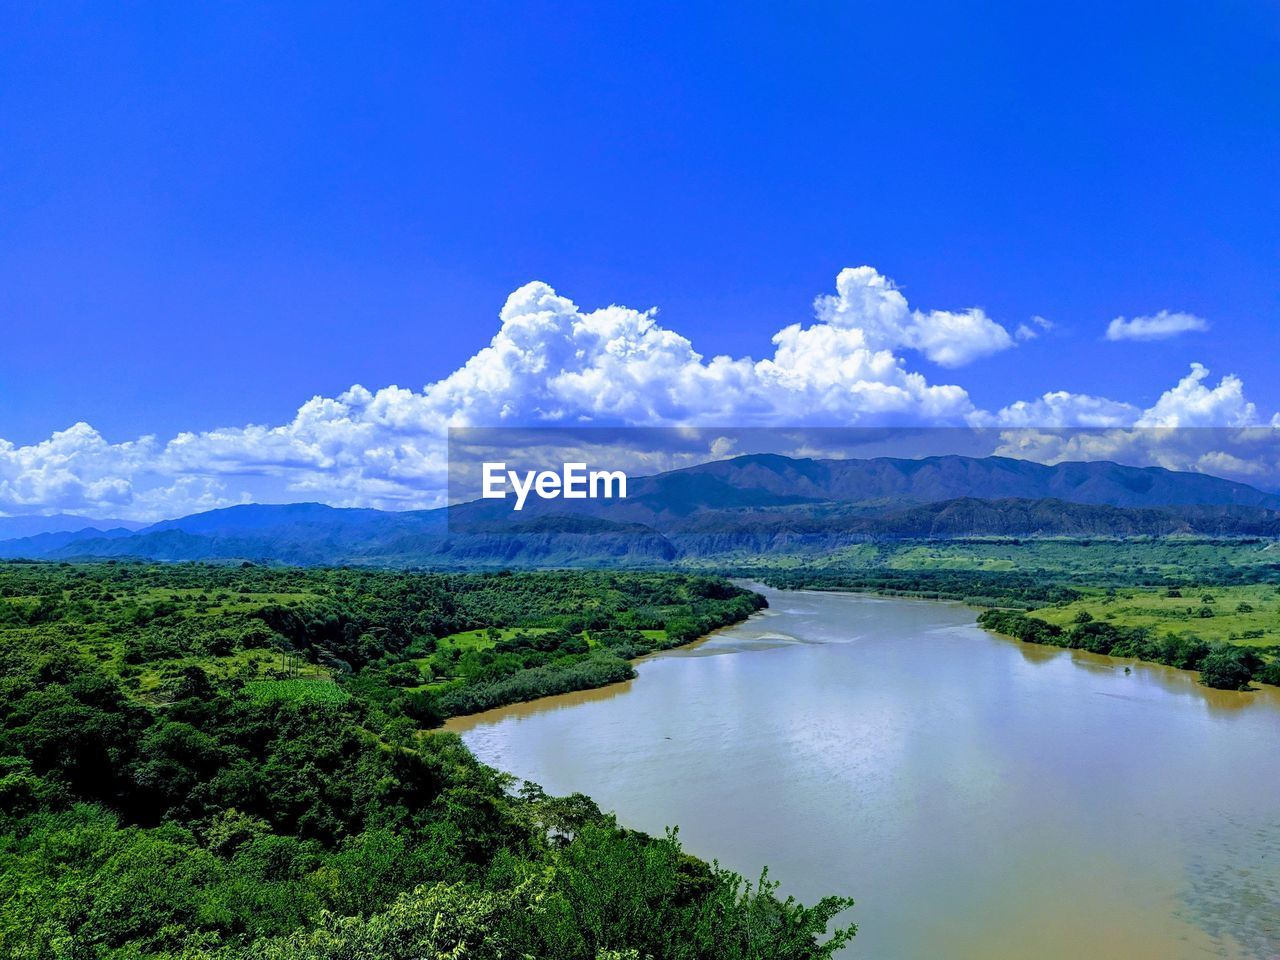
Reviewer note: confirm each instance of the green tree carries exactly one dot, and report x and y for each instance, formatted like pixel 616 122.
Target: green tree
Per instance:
pixel 1229 668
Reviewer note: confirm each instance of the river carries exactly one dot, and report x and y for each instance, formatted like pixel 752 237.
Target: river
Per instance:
pixel 978 797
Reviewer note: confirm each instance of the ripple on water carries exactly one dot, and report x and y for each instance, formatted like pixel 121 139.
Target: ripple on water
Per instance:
pixel 1233 884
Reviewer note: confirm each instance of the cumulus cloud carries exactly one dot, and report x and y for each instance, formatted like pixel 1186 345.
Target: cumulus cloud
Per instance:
pixel 869 302
pixel 1250 455
pixel 75 468
pixel 1162 326
pixel 1192 426
pixel 1189 403
pixel 551 362
pixel 1192 404
pixel 1061 408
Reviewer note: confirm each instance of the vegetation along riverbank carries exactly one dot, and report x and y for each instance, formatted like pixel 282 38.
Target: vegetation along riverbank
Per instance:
pixel 214 763
pixel 1194 604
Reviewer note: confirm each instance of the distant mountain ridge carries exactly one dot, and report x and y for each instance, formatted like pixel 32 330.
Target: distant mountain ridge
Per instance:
pixel 764 503
pixel 32 526
pixel 932 479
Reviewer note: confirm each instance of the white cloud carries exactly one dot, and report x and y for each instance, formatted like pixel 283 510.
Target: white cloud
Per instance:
pixel 1061 408
pixel 1029 331
pixel 75 468
pixel 552 363
pixel 871 303
pixel 1162 326
pixel 1224 464
pixel 1192 404
pixel 1192 426
pixel 1249 455
pixel 1189 403
pixel 549 362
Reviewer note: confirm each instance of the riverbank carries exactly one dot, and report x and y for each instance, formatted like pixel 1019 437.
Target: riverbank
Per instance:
pixel 1223 666
pixel 463 722
pixel 1102 641
pixel 1226 633
pixel 963 787
pixel 498 668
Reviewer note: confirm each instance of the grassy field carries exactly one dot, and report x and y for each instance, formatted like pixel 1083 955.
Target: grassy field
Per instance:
pixel 488 638
pixel 1094 561
pixel 485 639
pixel 1134 560
pixel 1236 614
pixel 302 691
pixel 476 641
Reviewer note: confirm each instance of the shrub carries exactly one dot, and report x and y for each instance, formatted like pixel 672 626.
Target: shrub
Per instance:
pixel 1229 668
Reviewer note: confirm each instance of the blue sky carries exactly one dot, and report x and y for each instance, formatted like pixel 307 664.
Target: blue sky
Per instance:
pixel 210 214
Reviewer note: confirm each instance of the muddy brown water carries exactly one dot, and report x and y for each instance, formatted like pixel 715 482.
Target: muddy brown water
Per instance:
pixel 978 797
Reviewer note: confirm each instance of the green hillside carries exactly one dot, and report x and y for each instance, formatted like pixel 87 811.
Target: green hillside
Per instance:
pixel 214 763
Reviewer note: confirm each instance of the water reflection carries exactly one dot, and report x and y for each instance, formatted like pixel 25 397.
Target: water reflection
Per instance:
pixel 980 797
pixel 1173 681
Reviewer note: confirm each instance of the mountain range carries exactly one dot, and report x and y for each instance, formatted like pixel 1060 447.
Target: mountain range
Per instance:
pixel 754 503
pixel 31 526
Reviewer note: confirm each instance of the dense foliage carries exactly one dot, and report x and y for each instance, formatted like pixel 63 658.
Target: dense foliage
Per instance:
pixel 1224 666
pixel 386 637
pixel 167 808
